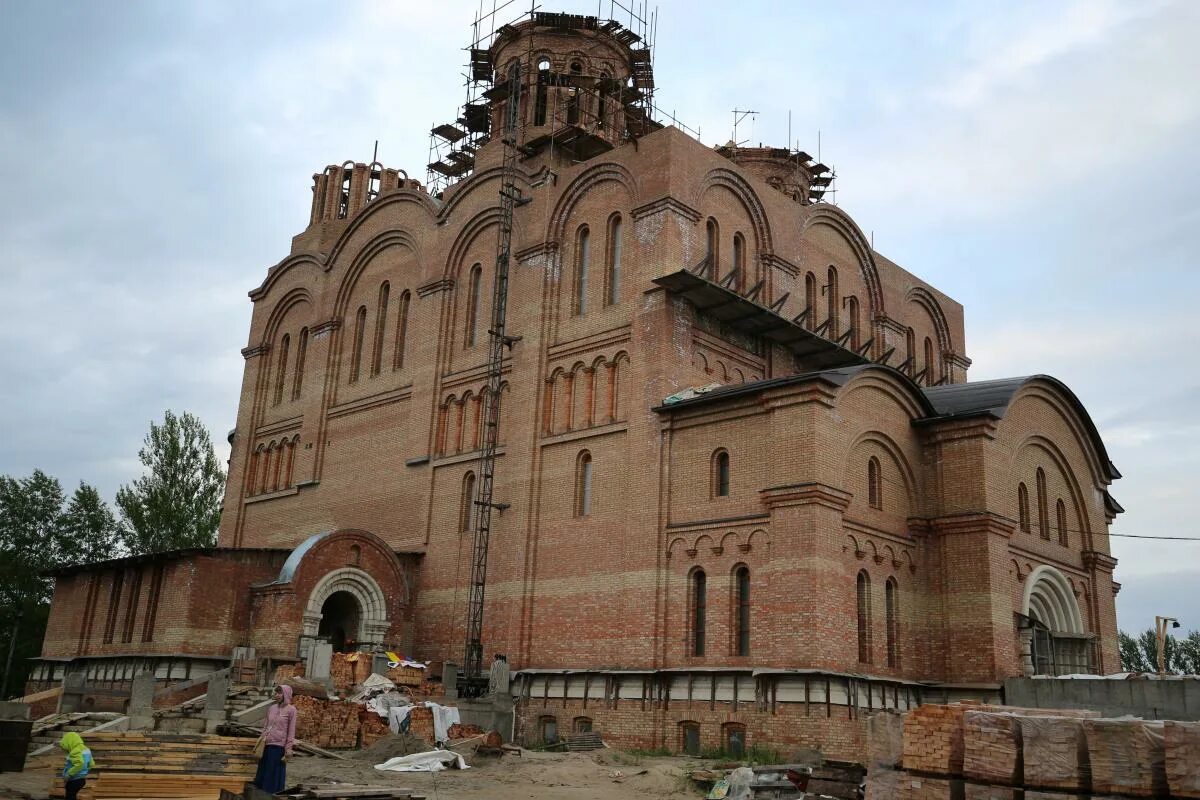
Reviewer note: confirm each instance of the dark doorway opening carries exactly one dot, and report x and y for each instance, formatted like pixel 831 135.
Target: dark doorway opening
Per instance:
pixel 340 617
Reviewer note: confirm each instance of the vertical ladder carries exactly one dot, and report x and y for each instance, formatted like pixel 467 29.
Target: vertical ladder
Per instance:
pixel 510 198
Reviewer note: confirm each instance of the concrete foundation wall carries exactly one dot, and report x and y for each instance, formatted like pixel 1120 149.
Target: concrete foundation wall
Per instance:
pixel 1149 699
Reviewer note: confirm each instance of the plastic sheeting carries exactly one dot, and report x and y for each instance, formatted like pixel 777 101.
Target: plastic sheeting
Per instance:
pixel 430 761
pixel 1055 753
pixel 991 747
pixel 1182 740
pixel 1127 756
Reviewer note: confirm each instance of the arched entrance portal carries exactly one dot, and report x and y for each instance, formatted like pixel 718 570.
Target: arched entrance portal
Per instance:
pixel 1053 638
pixel 348 607
pixel 340 615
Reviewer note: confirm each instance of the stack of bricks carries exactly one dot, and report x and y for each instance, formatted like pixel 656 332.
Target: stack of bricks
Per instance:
pixel 461 731
pixel 407 676
pixel 285 671
pixel 1127 756
pixel 933 738
pixel 327 723
pixel 1181 742
pixel 371 728
pixel 421 723
pixel 991 747
pixel 1054 751
pixel 347 670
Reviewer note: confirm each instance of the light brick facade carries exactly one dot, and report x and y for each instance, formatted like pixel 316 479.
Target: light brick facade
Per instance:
pixel 360 409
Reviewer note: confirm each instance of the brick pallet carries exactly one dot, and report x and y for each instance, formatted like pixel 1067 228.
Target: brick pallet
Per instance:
pixel 1127 756
pixel 1181 742
pixel 330 724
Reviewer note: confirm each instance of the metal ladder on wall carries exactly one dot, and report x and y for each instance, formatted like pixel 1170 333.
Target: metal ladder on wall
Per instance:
pixel 474 683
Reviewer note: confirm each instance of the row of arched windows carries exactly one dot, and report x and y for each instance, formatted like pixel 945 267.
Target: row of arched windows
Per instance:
pixel 460 423
pixel 272 466
pixel 891 600
pixel 739 612
pixel 928 371
pixel 380 337
pixel 712 255
pixel 585 396
pixel 831 328
pixel 282 389
pixel 614 245
pixel 1060 511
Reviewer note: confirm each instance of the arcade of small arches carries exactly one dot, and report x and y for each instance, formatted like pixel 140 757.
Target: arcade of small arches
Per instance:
pixel 585 395
pixel 272 466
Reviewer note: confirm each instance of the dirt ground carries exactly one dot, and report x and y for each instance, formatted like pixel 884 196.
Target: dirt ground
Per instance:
pixel 598 775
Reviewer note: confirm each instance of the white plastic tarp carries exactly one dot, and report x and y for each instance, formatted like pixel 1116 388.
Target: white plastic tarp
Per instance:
pixel 431 761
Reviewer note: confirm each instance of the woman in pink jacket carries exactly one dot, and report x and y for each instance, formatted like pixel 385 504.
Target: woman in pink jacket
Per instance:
pixel 279 734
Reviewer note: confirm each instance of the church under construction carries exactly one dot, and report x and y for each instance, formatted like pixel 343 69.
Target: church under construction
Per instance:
pixel 650 417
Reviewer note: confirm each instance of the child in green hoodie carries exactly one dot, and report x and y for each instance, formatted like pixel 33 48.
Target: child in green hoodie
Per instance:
pixel 79 762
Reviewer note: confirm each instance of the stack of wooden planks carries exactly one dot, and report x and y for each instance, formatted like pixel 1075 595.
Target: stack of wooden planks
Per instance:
pixel 1182 744
pixel 1127 756
pixel 166 765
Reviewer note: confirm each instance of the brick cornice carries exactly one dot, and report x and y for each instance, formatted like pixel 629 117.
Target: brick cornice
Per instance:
pixel 325 327
pixel 801 494
pixel 539 249
pixel 666 204
pixel 940 431
pixel 770 260
pixel 1093 559
pixel 816 391
pixel 973 522
pixel 440 285
pixel 253 352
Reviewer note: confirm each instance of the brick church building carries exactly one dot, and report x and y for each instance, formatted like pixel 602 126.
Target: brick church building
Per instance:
pixel 748 492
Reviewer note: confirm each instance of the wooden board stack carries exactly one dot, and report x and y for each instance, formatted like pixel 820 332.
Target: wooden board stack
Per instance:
pixel 1181 742
pixel 1127 756
pixel 167 765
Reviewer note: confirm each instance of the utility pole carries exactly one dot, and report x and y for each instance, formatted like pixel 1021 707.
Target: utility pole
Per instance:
pixel 12 644
pixel 1160 635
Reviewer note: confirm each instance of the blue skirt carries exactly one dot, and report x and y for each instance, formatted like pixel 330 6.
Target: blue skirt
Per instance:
pixel 272 770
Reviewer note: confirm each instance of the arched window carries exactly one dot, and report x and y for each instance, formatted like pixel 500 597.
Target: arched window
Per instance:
pixel 380 328
pixel 613 279
pixel 689 737
pixel 281 374
pixel 265 472
pixel 930 364
pixel 874 483
pixel 549 726
pixel 892 612
pixel 741 628
pixel 301 352
pixel 832 288
pixel 739 261
pixel 864 617
pixel 1060 511
pixel 288 480
pixel 582 724
pixel 473 286
pixel 466 502
pixel 810 300
pixel 910 351
pixel 720 473
pixel 539 105
pixel 253 471
pixel 699 607
pixel 734 735
pixel 582 256
pixel 1023 507
pixel 583 484
pixel 360 326
pixel 275 467
pixel 401 331
pixel 712 248
pixel 1043 509
pixel 854 323
pixel 573 96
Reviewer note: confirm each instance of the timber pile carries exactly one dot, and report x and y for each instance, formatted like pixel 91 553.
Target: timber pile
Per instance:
pixel 1127 756
pixel 1182 744
pixel 346 791
pixel 327 723
pixel 167 765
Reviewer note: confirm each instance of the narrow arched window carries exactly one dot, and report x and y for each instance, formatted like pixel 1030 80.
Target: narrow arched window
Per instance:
pixel 289 471
pixel 281 374
pixel 910 354
pixel 613 280
pixel 699 606
pixel 739 261
pixel 380 329
pixel 712 248
pixel 874 483
pixel 539 106
pixel 741 587
pixel 1023 507
pixel 810 301
pixel 573 96
pixel 474 282
pixel 360 327
pixel 253 472
pixel 832 298
pixel 466 502
pixel 583 484
pixel 892 611
pixel 855 324
pixel 582 256
pixel 1043 509
pixel 1060 511
pixel 720 474
pixel 401 331
pixel 276 467
pixel 301 353
pixel 930 364
pixel 864 617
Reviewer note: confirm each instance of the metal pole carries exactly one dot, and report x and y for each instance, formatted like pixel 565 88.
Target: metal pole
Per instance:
pixel 12 644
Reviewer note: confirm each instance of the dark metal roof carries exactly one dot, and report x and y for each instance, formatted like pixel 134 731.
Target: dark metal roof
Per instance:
pixel 837 377
pixel 148 558
pixel 749 317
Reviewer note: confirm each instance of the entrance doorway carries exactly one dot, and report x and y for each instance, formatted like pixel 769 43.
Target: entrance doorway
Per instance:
pixel 340 620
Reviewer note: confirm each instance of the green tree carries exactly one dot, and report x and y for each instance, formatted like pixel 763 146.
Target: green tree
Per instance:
pixel 1132 657
pixel 177 503
pixel 1180 656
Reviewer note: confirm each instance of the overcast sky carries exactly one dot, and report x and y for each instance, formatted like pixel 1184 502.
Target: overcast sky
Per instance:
pixel 1036 161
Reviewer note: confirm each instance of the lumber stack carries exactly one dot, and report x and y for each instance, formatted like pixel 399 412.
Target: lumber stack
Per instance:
pixel 1054 752
pixel 327 723
pixel 167 765
pixel 1127 756
pixel 1181 743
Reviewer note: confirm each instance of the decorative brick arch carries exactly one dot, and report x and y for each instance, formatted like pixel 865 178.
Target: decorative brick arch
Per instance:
pixel 373 622
pixel 833 217
pixel 1050 597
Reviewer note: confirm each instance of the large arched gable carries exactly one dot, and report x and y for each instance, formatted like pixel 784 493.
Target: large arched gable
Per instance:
pixel 275 273
pixel 872 440
pixel 295 297
pixel 376 207
pixel 474 183
pixel 1054 454
pixel 925 299
pixel 305 566
pixel 744 192
pixel 1057 395
pixel 891 382
pixel 369 252
pixel 466 237
pixel 578 189
pixel 833 217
